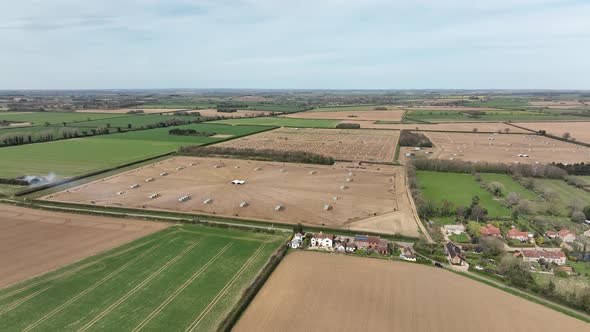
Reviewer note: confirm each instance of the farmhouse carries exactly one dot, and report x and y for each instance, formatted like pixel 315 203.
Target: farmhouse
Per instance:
pixel 566 235
pixel 454 254
pixel 454 229
pixel 533 255
pixel 516 234
pixel 407 254
pixel 322 240
pixel 490 230
pixel 297 241
pixel 372 242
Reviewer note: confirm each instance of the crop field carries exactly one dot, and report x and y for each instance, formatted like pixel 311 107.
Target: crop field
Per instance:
pixel 580 131
pixel 282 122
pixel 183 278
pixel 40 118
pixel 557 103
pixel 510 185
pixel 348 108
pixel 237 114
pixel 79 156
pixel 365 198
pixel 378 295
pixel 503 115
pixel 36 241
pixel 458 189
pixel 125 110
pixel 505 148
pixel 341 144
pixel 394 115
pixel 489 127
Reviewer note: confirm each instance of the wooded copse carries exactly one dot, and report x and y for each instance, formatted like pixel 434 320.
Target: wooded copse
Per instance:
pixel 410 138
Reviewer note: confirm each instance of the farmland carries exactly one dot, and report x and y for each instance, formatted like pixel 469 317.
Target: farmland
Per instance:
pixel 343 144
pixel 40 118
pixel 181 278
pixel 497 115
pixel 78 156
pixel 372 199
pixel 580 131
pixel 567 194
pixel 282 122
pixel 388 115
pixel 458 189
pixel 489 127
pixel 510 185
pixel 505 148
pixel 381 295
pixel 37 241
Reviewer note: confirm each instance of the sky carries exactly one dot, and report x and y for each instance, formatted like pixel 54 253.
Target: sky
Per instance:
pixel 298 44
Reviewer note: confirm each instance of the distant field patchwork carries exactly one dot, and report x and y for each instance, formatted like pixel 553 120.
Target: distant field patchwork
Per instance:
pixel 184 278
pixel 283 122
pixel 40 118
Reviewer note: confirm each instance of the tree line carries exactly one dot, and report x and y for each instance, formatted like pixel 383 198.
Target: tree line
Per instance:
pixel 410 138
pixel 263 154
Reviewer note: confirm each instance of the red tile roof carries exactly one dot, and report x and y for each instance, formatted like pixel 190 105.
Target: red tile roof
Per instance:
pixel 543 254
pixel 565 232
pixel 490 229
pixel 515 233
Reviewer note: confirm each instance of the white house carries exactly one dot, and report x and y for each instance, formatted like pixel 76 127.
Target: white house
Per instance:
pixel 322 240
pixel 566 235
pixel 407 254
pixel 297 241
pixel 454 229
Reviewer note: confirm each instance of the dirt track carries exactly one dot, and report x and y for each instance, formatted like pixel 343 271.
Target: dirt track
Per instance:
pixel 323 292
pixel 373 199
pixel 35 241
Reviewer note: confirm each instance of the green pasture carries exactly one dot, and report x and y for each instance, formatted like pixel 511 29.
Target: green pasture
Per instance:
pixel 40 118
pixel 510 185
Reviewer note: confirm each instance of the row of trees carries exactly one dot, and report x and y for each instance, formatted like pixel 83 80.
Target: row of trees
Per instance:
pixel 189 132
pixel 518 170
pixel 265 154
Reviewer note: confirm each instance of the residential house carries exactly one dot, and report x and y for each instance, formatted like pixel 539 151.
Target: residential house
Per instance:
pixel 516 234
pixel 454 254
pixel 550 256
pixel 407 254
pixel 566 236
pixel 297 241
pixel 346 247
pixel 454 229
pixel 372 242
pixel 322 240
pixel 490 230
pixel 551 234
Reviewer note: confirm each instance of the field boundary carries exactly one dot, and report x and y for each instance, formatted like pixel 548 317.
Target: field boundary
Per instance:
pixel 250 293
pixel 553 136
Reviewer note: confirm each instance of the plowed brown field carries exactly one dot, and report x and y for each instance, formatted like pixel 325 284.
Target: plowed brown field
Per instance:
pixel 36 241
pixel 329 292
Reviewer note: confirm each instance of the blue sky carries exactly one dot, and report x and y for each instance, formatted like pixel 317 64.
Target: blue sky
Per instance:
pixel 336 44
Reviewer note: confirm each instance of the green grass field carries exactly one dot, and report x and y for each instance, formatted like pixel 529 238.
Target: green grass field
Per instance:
pixel 459 238
pixel 458 189
pixel 185 278
pixel 72 157
pixel 162 135
pixel 585 178
pixel 136 121
pixel 510 185
pixel 567 194
pixel 504 115
pixel 40 118
pixel 282 122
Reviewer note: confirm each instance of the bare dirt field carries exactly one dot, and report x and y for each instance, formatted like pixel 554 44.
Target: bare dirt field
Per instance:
pixel 358 197
pixel 36 241
pixel 237 114
pixel 578 130
pixel 389 115
pixel 491 127
pixel 330 292
pixel 341 144
pixel 505 148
